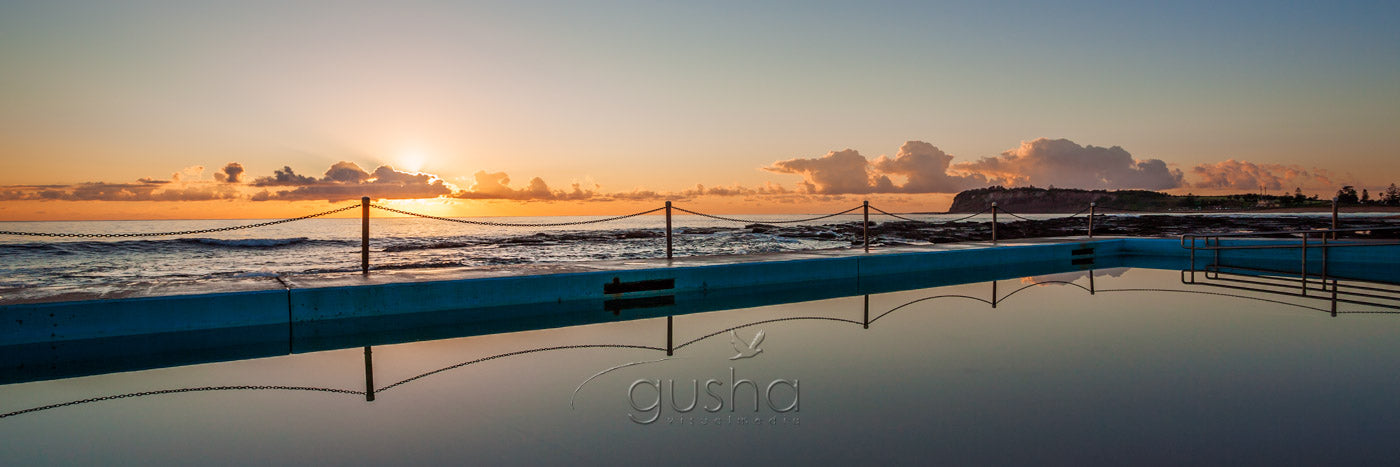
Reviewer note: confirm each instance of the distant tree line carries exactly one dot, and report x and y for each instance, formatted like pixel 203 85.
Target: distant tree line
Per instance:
pixel 1348 195
pixel 1033 199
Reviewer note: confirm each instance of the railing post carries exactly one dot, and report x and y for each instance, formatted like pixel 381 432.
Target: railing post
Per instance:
pixel 668 233
pixel 1334 218
pixel 364 235
pixel 1304 272
pixel 865 227
pixel 1091 219
pixel 994 226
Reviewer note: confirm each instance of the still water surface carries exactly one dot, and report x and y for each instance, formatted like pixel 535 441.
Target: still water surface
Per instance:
pixel 1052 375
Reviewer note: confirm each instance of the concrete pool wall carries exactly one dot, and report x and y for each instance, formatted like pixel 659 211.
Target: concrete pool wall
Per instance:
pixel 633 284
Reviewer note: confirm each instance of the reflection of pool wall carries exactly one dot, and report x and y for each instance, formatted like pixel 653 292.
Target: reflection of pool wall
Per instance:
pixel 56 340
pixel 1377 263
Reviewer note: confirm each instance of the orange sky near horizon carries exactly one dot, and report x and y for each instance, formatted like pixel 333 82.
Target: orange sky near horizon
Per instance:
pixel 34 210
pixel 257 111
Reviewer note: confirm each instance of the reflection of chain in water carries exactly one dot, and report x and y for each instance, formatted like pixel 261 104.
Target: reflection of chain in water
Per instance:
pixel 647 347
pixel 892 310
pixel 518 352
pixel 1222 294
pixel 756 323
pixel 182 390
pixel 1004 297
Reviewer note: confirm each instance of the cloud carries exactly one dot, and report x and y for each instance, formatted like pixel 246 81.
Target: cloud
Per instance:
pixel 768 189
pixel 141 191
pixel 346 172
pixel 496 185
pixel 838 172
pixel 284 177
pixel 346 180
pixel 1064 163
pixel 232 173
pixel 1244 175
pixel 192 172
pixel 924 166
pixel 926 169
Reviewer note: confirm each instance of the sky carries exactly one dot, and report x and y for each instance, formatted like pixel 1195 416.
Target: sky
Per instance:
pixel 190 109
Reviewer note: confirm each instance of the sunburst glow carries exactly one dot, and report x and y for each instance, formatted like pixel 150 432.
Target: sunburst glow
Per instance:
pixel 411 160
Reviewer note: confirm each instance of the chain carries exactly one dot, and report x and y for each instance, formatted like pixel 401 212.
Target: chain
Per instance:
pixel 180 390
pixel 750 221
pixel 897 216
pixel 1081 211
pixel 1223 211
pixel 511 224
pixel 183 232
pixel 1012 214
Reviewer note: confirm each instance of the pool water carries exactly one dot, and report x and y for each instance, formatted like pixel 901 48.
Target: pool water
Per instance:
pixel 1144 370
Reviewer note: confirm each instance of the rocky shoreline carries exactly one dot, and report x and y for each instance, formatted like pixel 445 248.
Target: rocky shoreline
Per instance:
pixel 908 232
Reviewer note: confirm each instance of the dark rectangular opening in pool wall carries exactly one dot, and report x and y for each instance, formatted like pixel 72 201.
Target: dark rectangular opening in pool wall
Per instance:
pixel 617 286
pixel 1081 261
pixel 1082 251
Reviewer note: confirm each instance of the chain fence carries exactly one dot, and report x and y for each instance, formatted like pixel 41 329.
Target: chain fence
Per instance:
pixel 753 221
pixel 514 224
pixel 181 232
pixel 1318 210
pixel 960 219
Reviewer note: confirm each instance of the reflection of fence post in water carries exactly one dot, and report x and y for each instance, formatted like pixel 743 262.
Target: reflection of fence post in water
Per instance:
pixel 1091 282
pixel 369 376
pixel 670 349
pixel 994 294
pixel 1334 295
pixel 364 237
pixel 865 323
pixel 668 232
pixel 1304 271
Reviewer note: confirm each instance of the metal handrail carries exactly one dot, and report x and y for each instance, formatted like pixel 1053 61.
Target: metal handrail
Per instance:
pixel 1279 232
pixel 1304 235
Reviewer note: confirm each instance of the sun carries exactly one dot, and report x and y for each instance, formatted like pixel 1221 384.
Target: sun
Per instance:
pixel 411 160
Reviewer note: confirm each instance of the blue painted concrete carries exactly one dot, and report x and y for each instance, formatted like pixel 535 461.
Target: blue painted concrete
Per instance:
pixel 485 296
pixel 93 319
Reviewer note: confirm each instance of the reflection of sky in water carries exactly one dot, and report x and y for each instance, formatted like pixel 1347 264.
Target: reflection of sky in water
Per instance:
pixel 1052 375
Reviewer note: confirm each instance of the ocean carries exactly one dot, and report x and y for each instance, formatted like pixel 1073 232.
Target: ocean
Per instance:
pixel 41 268
pixel 37 267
